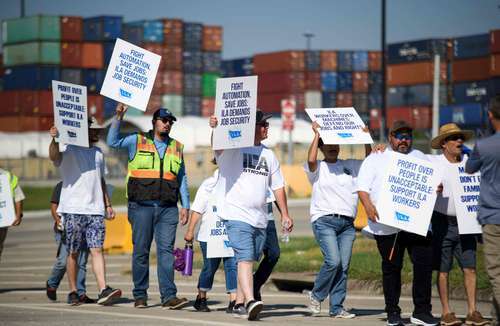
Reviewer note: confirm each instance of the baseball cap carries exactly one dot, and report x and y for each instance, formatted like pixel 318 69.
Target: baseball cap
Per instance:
pixel 261 117
pixel 163 113
pixel 400 125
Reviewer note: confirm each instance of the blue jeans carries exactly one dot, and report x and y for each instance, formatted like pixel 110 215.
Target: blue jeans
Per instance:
pixel 271 255
pixel 149 219
pixel 247 241
pixel 335 236
pixel 59 267
pixel 210 266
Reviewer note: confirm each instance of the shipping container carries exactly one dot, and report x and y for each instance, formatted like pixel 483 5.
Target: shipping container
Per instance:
pixel 102 28
pixel 158 84
pixel 29 29
pixel 495 41
pixel 96 107
pixel 494 88
pixel 375 80
pixel 92 55
pixel 153 104
pixel 9 103
pixel 93 79
pixel 465 115
pixel 397 96
pixel 281 82
pixel 208 82
pixel 471 46
pixel 328 81
pixel 374 61
pixel 495 65
pixel 413 73
pixel 471 92
pixel 133 34
pixel 37 123
pixel 417 117
pixel 109 107
pixel 153 31
pixel 328 60
pixel 71 75
pixel 284 61
pixel 32 53
pixel 71 54
pixel 193 34
pixel 207 106
pixel 470 69
pixel 360 82
pixel 172 32
pixel 30 77
pixel 422 95
pixel 172 58
pixel 36 103
pixel 345 61
pixel 360 61
pixel 173 102
pixel 211 62
pixel 212 38
pixel 313 80
pixel 344 81
pixel 71 29
pixel 329 99
pixel 156 48
pixel 10 124
pixel 192 61
pixel 312 60
pixel 421 50
pixel 172 83
pixel 237 67
pixel 271 103
pixel 191 106
pixel 107 50
pixel 375 119
pixel 360 103
pixel 374 100
pixel 344 99
pixel 192 85
pixel 312 99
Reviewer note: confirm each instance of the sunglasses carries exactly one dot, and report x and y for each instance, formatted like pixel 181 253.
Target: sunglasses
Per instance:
pixel 403 136
pixel 263 124
pixel 454 137
pixel 166 120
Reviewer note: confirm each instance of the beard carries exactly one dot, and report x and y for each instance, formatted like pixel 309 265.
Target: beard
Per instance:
pixel 164 133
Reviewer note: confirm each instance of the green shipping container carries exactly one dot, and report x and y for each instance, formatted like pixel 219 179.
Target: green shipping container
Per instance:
pixel 208 84
pixel 173 103
pixel 32 53
pixel 34 28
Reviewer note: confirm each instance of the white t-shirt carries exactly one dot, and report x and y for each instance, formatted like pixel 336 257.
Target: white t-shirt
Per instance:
pixel 445 203
pixel 81 171
pixel 333 188
pixel 204 203
pixel 270 199
pixel 370 178
pixel 245 174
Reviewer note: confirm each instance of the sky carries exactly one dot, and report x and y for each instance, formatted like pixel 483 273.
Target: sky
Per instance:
pixel 258 26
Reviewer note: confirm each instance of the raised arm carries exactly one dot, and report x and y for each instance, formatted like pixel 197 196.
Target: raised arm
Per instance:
pixel 474 163
pixel 312 154
pixel 54 153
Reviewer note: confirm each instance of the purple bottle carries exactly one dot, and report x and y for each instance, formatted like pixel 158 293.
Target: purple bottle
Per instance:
pixel 188 259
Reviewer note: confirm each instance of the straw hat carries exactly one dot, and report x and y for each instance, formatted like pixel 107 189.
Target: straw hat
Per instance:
pixel 447 130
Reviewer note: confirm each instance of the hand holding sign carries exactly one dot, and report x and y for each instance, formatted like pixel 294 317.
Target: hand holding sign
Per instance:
pixel 121 109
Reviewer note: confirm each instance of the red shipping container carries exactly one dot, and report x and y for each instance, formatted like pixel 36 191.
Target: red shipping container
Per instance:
pixel 344 99
pixel 284 61
pixel 281 82
pixel 398 113
pixel 36 103
pixel 413 73
pixel 313 81
pixel 495 65
pixel 95 105
pixel 158 84
pixel 92 55
pixel 272 102
pixel 470 69
pixel 9 103
pixel 71 54
pixel 153 104
pixel 495 41
pixel 360 82
pixel 172 32
pixel 10 124
pixel 156 48
pixel 207 106
pixel 71 28
pixel 418 117
pixel 374 61
pixel 328 60
pixel 172 58
pixel 212 38
pixel 42 123
pixel 375 119
pixel 172 82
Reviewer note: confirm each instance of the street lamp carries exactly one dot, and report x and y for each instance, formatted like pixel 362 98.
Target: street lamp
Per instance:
pixel 308 37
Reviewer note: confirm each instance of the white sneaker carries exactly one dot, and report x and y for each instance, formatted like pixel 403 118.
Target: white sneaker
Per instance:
pixel 314 305
pixel 344 315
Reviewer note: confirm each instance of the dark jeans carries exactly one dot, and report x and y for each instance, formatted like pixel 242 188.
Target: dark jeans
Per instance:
pixel 271 255
pixel 420 252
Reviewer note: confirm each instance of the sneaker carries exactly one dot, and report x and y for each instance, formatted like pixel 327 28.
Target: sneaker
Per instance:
pixel 73 299
pixel 108 295
pixel 423 318
pixel 141 303
pixel 476 319
pixel 239 311
pixel 201 304
pixel 254 308
pixel 344 315
pixel 230 306
pixel 51 292
pixel 175 303
pixel 314 305
pixel 84 299
pixel 394 319
pixel 450 319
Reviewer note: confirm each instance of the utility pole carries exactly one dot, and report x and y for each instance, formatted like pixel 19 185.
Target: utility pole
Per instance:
pixel 383 109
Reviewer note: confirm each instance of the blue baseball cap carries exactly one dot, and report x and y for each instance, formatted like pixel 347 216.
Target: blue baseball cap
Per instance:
pixel 163 113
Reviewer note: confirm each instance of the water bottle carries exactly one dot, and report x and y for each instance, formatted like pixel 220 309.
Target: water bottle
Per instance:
pixel 285 235
pixel 188 259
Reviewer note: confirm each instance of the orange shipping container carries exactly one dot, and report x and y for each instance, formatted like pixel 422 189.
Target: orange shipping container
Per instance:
pixel 10 124
pixel 157 49
pixel 495 65
pixel 71 54
pixel 172 82
pixel 207 106
pixel 212 38
pixel 36 103
pixel 71 28
pixel 272 102
pixel 344 99
pixel 92 55
pixel 172 58
pixel 158 84
pixel 470 69
pixel 153 104
pixel 413 73
pixel 374 61
pixel 284 61
pixel 9 103
pixel 172 32
pixel 36 123
pixel 495 41
pixel 328 60
pixel 360 82
pixel 95 105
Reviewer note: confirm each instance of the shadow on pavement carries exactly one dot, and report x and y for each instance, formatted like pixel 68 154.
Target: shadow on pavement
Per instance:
pixel 21 289
pixel 367 312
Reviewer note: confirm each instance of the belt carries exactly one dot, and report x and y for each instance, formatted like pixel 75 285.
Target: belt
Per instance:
pixel 339 215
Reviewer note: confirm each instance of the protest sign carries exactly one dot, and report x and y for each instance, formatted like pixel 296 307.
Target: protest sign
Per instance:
pixel 408 193
pixel 7 211
pixel 465 189
pixel 340 126
pixel 131 74
pixel 218 242
pixel 235 106
pixel 70 113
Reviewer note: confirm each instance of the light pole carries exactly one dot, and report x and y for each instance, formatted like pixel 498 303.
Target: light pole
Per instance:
pixel 383 109
pixel 308 37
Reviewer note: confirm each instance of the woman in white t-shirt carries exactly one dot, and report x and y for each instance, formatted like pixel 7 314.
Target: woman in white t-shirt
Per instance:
pixel 204 207
pixel 333 209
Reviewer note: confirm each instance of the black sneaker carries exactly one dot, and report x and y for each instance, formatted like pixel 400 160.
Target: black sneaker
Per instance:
pixel 394 319
pixel 239 311
pixel 141 303
pixel 84 299
pixel 424 318
pixel 201 304
pixel 108 296
pixel 254 307
pixel 230 306
pixel 175 303
pixel 73 299
pixel 51 292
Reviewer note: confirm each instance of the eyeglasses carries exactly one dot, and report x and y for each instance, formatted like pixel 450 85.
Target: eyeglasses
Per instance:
pixel 166 120
pixel 454 137
pixel 403 136
pixel 263 124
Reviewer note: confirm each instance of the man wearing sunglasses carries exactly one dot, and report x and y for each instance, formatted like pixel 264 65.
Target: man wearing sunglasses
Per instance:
pixel 392 242
pixel 156 176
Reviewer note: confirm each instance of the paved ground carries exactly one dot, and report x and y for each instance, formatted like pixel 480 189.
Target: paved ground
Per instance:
pixel 29 254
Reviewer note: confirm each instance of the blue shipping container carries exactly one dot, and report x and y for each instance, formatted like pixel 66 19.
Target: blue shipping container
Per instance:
pixel 494 88
pixel 422 95
pixel 153 31
pixel 133 34
pixel 193 33
pixel 360 61
pixel 345 61
pixel 192 84
pixel 328 81
pixel 416 50
pixel 102 28
pixel 360 102
pixel 191 105
pixel 70 75
pixel 464 115
pixel 471 92
pixel 211 62
pixel 344 81
pixel 192 61
pixel 107 48
pixel 375 82
pixel 237 67
pixel 313 60
pixel 93 79
pixel 397 96
pixel 375 100
pixel 329 99
pixel 30 77
pixel 471 46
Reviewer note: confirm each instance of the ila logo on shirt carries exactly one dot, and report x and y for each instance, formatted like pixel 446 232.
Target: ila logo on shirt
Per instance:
pixel 255 164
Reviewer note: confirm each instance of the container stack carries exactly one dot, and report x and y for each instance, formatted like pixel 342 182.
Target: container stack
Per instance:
pixel 494 88
pixel 212 60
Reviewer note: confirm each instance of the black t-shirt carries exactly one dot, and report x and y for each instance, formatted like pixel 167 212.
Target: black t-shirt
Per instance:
pixel 56 193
